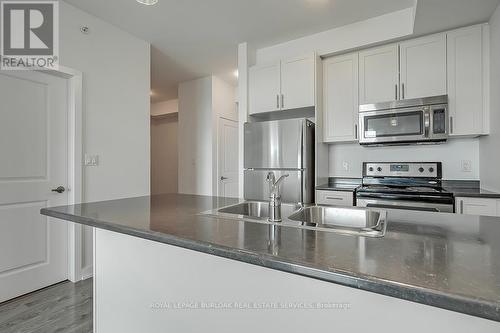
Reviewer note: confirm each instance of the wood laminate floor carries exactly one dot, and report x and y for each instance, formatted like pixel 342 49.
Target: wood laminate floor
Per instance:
pixel 64 308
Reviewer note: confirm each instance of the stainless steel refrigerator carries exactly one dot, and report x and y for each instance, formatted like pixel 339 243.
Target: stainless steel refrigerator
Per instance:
pixel 282 147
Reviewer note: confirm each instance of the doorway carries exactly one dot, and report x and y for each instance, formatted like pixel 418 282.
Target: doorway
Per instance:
pixel 227 173
pixel 40 145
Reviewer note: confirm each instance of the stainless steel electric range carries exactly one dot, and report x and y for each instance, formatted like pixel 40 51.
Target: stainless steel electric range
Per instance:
pixel 404 185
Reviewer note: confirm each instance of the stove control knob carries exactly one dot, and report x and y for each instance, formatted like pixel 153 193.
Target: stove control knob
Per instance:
pixel 431 170
pixel 379 169
pixel 421 169
pixel 370 169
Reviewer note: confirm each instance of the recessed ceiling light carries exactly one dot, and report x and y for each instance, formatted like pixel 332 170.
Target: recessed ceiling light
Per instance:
pixel 147 2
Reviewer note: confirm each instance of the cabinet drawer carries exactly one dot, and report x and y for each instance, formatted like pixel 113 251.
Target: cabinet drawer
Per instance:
pixel 335 198
pixel 476 206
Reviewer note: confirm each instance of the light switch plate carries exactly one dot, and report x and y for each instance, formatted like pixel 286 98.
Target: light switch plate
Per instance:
pixel 345 166
pixel 91 160
pixel 466 166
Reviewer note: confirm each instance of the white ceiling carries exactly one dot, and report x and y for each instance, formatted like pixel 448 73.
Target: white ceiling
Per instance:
pixel 195 38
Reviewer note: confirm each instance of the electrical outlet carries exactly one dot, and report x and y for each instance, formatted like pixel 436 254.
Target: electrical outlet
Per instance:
pixel 91 160
pixel 466 166
pixel 345 166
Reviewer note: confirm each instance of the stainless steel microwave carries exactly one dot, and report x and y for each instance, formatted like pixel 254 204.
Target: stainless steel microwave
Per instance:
pixel 422 120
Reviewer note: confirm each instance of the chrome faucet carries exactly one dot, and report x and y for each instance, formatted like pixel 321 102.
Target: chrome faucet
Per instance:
pixel 275 196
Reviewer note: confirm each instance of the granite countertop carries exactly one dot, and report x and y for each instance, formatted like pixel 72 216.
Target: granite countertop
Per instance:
pixel 472 192
pixel 444 260
pixel 337 187
pixel 459 188
pixel 340 184
pixel 468 188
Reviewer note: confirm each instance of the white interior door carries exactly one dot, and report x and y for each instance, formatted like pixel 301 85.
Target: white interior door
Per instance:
pixel 228 158
pixel 33 150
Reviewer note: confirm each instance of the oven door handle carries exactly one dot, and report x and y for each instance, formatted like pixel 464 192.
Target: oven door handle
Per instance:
pixel 399 196
pixel 425 209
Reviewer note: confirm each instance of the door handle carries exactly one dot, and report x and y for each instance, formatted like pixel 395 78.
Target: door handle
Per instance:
pixel 427 123
pixel 403 91
pixel 223 178
pixel 356 131
pixel 59 189
pixel 278 101
pixel 396 86
pixel 282 101
pixel 451 125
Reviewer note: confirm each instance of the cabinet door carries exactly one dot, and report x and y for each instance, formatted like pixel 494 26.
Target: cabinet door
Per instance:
pixel 423 67
pixel 297 82
pixel 264 88
pixel 379 75
pixel 476 206
pixel 465 81
pixel 340 98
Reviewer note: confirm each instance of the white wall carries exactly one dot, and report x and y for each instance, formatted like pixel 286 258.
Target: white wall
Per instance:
pixel 451 154
pixel 166 107
pixel 164 155
pixel 360 34
pixel 224 98
pixel 490 145
pixel 201 103
pixel 195 137
pixel 116 75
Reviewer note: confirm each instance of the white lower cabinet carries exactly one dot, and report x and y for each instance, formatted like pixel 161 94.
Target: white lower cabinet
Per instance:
pixel 477 206
pixel 335 198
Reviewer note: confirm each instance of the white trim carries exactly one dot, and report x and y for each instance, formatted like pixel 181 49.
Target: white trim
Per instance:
pixel 75 173
pixel 94 290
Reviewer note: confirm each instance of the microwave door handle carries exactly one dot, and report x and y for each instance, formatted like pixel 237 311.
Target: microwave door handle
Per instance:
pixel 427 123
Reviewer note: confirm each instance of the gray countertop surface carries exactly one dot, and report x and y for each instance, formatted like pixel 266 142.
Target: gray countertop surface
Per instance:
pixel 337 187
pixel 444 260
pixel 472 193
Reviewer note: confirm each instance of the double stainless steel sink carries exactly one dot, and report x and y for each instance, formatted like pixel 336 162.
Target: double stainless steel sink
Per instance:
pixel 355 221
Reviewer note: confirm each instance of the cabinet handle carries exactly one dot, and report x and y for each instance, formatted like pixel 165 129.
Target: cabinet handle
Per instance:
pixel 461 206
pixel 396 96
pixel 451 125
pixel 278 101
pixel 334 198
pixel 356 131
pixel 282 101
pixel 402 91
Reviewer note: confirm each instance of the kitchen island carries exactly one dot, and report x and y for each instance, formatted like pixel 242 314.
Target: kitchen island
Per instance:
pixel 162 265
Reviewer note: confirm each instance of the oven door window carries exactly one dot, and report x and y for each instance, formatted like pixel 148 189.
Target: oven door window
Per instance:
pixel 394 124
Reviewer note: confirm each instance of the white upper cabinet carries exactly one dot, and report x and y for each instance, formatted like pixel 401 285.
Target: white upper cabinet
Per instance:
pixel 264 88
pixel 288 84
pixel 379 74
pixel 466 81
pixel 340 98
pixel 423 67
pixel 297 82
